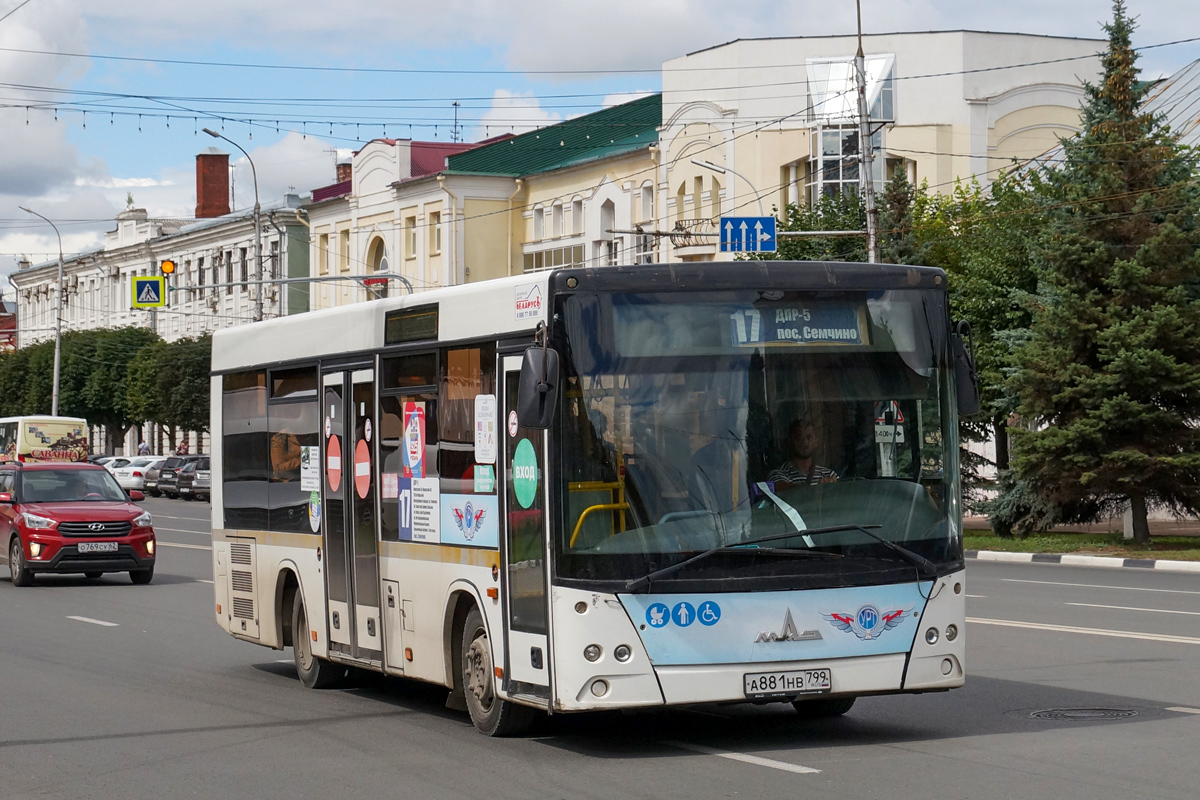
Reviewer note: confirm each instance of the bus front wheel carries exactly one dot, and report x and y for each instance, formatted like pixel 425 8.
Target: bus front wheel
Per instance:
pixel 314 672
pixel 491 715
pixel 823 707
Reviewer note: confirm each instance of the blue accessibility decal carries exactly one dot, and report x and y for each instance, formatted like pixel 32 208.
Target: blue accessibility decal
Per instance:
pixel 684 614
pixel 709 613
pixel 656 616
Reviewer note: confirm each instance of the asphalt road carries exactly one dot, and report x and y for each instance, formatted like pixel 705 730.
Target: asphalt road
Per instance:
pixel 159 703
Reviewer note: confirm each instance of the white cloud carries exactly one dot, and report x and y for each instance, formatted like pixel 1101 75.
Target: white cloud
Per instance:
pixel 515 112
pixel 536 35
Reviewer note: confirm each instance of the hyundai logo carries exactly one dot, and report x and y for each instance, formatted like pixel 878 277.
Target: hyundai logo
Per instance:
pixel 96 526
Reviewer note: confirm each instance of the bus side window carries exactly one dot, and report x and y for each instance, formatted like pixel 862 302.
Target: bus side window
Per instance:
pixel 465 373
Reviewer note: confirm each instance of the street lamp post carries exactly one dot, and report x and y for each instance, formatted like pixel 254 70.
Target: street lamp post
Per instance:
pixel 58 321
pixel 722 170
pixel 258 295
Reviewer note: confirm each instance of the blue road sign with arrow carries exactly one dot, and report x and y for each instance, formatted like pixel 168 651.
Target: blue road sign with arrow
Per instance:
pixel 748 235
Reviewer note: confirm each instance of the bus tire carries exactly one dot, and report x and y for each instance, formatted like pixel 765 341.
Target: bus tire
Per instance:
pixel 491 715
pixel 314 672
pixel 21 576
pixel 824 707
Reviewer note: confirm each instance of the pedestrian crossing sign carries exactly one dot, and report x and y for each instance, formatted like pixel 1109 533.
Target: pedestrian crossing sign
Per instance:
pixel 149 292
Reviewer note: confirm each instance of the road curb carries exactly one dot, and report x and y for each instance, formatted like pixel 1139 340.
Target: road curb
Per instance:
pixel 1160 565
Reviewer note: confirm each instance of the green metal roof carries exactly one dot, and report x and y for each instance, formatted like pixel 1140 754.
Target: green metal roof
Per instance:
pixel 610 132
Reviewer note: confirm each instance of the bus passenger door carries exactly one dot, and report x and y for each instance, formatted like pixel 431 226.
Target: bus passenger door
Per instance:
pixel 523 549
pixel 348 525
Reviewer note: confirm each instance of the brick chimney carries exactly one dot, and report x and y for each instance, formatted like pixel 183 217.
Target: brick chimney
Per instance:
pixel 345 171
pixel 212 184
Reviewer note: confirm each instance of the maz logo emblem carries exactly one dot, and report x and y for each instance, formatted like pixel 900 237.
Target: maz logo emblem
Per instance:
pixel 789 633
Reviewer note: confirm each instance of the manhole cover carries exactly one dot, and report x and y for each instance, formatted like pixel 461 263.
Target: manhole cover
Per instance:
pixel 1084 714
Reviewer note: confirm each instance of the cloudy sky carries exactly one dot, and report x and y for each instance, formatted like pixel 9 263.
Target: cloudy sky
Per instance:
pixel 103 99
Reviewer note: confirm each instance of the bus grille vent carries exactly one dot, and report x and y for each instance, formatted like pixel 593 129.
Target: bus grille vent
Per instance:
pixel 239 554
pixel 243 608
pixel 241 581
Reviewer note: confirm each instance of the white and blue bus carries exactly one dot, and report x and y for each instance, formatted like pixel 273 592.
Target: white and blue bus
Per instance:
pixel 604 488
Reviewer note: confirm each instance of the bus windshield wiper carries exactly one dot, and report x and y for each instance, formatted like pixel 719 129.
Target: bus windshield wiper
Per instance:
pixel 633 584
pixel 924 564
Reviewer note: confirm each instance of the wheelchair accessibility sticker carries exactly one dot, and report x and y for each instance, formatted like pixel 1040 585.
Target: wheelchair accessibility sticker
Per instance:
pixel 658 615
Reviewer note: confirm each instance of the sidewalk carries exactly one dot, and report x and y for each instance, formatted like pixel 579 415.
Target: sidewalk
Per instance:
pixel 1071 559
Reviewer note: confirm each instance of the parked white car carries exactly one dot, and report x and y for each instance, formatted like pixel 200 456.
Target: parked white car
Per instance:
pixel 133 474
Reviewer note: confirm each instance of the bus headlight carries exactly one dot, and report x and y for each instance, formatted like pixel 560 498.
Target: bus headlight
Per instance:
pixel 622 653
pixel 931 636
pixel 951 633
pixel 592 652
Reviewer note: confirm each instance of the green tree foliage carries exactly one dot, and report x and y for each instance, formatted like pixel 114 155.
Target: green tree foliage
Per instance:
pixel 837 212
pixel 113 377
pixel 1109 374
pixel 168 383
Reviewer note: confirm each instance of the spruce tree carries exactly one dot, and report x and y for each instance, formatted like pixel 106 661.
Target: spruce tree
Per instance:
pixel 1108 379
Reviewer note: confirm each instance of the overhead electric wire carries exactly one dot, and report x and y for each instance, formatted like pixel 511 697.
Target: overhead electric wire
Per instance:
pixel 551 72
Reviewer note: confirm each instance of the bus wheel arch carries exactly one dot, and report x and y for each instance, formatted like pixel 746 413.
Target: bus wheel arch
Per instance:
pixel 287 586
pixel 458 606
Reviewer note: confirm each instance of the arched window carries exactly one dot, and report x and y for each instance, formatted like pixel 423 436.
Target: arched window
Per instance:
pixel 377 261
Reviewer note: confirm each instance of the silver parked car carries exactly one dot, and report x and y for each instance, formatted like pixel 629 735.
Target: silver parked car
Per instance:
pixel 133 474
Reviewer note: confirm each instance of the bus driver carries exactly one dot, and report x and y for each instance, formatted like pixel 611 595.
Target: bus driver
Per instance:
pixel 804 440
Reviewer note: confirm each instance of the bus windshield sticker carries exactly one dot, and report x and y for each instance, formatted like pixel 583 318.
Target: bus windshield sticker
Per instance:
pixel 310 469
pixel 362 468
pixel 426 496
pixel 525 473
pixel 485 479
pixel 414 439
pixel 333 465
pixel 314 511
pixel 485 428
pixel 470 519
pixel 389 484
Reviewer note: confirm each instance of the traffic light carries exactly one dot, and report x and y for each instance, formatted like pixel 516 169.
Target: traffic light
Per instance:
pixel 167 266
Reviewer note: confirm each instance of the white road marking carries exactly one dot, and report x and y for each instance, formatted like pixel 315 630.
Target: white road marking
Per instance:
pixel 285 661
pixel 96 622
pixel 746 759
pixel 161 543
pixel 1132 608
pixel 1101 586
pixel 977 596
pixel 1042 626
pixel 182 530
pixel 201 580
pixel 185 519
pixel 1183 710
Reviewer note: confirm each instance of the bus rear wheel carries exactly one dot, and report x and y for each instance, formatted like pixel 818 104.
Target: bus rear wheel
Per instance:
pixel 490 714
pixel 314 672
pixel 823 708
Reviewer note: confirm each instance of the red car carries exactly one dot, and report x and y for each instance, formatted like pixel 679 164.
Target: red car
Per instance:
pixel 64 518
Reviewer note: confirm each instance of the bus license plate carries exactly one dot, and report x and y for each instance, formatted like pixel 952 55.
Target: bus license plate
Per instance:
pixel 761 685
pixel 97 547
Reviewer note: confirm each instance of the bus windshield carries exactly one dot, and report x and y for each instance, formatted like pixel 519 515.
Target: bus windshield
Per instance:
pixel 695 420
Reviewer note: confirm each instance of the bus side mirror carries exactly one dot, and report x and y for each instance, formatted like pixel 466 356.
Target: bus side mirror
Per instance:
pixel 965 378
pixel 537 395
